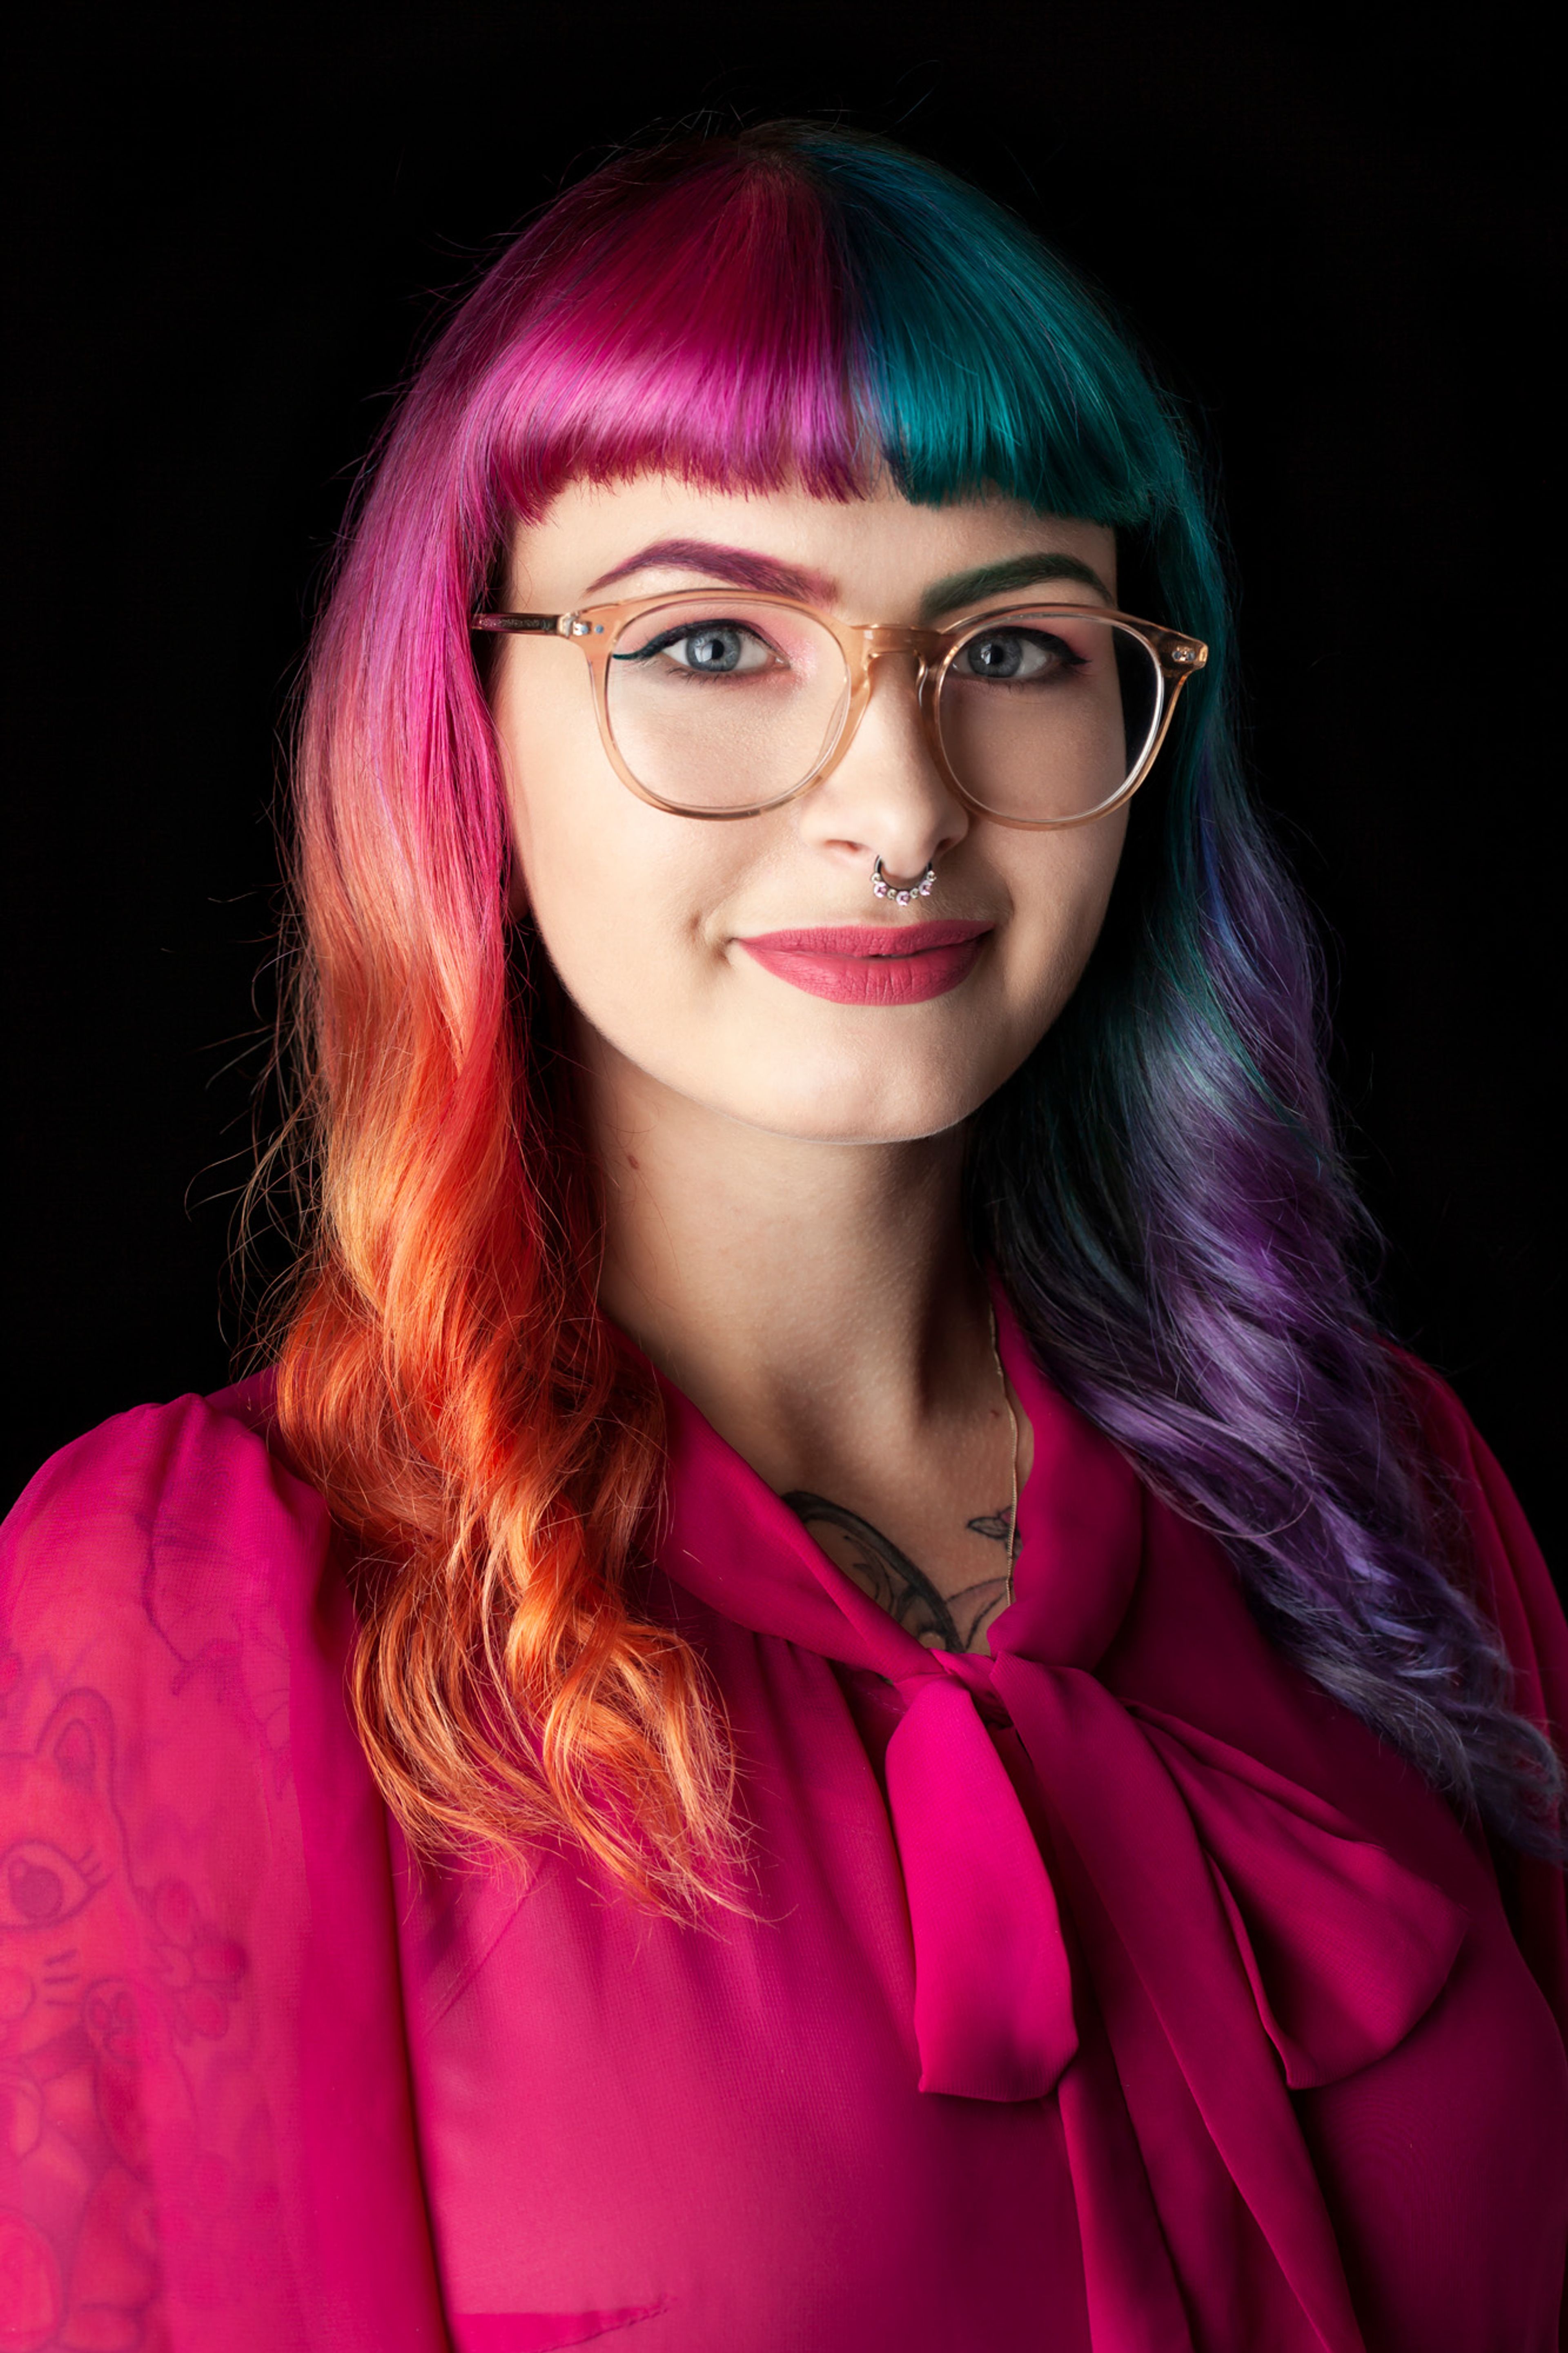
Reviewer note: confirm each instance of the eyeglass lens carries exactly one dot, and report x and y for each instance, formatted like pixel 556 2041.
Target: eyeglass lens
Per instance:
pixel 1043 715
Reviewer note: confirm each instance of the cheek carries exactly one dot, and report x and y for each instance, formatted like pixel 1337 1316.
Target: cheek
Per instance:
pixel 558 781
pixel 1060 885
pixel 617 888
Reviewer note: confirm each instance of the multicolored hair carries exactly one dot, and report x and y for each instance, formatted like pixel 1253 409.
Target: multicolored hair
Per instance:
pixel 1159 1185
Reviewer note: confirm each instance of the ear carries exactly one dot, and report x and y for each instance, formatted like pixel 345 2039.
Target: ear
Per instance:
pixel 78 1739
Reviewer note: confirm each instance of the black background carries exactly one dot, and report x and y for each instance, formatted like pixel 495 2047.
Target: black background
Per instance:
pixel 229 231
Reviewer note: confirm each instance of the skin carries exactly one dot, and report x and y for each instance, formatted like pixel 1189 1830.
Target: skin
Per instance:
pixel 782 1171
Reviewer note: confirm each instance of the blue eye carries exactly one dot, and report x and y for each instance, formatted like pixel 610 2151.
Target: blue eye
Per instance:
pixel 39 1885
pixel 1015 656
pixel 709 649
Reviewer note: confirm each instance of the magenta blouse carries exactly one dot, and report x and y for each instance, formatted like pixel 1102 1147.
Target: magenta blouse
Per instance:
pixel 1114 1992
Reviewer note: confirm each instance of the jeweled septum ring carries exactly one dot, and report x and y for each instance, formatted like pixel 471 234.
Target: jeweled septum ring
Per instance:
pixel 885 890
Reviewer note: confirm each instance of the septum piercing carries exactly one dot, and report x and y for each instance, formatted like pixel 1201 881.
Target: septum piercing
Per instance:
pixel 883 889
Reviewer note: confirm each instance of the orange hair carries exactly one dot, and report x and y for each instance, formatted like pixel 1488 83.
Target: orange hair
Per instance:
pixel 446 1377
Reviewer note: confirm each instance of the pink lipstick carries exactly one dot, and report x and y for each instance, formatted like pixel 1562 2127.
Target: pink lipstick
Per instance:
pixel 872 964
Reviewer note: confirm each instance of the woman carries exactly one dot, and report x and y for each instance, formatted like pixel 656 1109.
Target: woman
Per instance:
pixel 836 1694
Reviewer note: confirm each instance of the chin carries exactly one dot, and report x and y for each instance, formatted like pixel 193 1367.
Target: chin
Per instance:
pixel 846 1107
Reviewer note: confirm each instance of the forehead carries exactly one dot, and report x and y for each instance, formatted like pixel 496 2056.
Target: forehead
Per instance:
pixel 870 557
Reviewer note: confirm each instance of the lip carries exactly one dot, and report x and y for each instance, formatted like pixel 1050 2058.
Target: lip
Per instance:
pixel 872 964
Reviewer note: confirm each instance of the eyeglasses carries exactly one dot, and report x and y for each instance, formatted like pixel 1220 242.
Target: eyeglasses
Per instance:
pixel 716 704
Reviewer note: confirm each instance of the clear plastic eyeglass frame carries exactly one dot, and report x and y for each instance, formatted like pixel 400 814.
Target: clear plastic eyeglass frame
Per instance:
pixel 596 629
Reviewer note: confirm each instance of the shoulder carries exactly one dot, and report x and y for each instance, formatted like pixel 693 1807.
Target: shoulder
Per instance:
pixel 1514 1588
pixel 174 1629
pixel 167 1526
pixel 1447 1429
pixel 1511 1581
pixel 197 1934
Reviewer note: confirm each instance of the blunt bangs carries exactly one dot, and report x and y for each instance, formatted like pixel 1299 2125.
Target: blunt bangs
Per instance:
pixel 801 307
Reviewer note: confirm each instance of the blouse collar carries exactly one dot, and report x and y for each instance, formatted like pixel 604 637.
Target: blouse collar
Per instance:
pixel 734 1544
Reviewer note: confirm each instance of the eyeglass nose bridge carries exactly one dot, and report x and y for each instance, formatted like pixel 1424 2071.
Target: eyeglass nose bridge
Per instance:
pixel 928 647
pixel 878 638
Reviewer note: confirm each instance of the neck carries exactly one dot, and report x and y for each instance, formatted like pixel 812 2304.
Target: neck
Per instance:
pixel 806 1296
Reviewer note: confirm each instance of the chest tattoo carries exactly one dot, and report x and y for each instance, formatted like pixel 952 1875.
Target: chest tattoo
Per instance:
pixel 951 1622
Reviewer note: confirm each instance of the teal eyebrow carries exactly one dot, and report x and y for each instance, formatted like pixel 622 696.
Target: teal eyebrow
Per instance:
pixel 961 588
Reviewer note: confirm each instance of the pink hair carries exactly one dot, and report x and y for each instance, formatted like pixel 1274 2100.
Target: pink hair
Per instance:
pixel 445 1376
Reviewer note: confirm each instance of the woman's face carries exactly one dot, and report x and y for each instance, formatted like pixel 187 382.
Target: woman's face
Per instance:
pixel 646 916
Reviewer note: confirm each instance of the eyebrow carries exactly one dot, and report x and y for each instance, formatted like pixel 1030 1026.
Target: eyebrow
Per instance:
pixel 742 567
pixel 962 588
pixel 771 575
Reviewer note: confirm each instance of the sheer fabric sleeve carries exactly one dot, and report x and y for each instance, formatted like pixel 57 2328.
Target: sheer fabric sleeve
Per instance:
pixel 205 2139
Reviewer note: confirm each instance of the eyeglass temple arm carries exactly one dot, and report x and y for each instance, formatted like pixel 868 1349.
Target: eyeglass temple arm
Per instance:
pixel 531 625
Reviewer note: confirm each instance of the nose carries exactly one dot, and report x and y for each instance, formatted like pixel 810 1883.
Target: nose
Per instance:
pixel 886 796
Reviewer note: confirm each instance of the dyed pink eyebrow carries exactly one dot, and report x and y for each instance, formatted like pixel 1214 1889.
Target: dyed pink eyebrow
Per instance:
pixel 742 567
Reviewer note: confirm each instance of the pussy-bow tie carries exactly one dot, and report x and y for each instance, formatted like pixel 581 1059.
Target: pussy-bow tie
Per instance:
pixel 1278 1948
